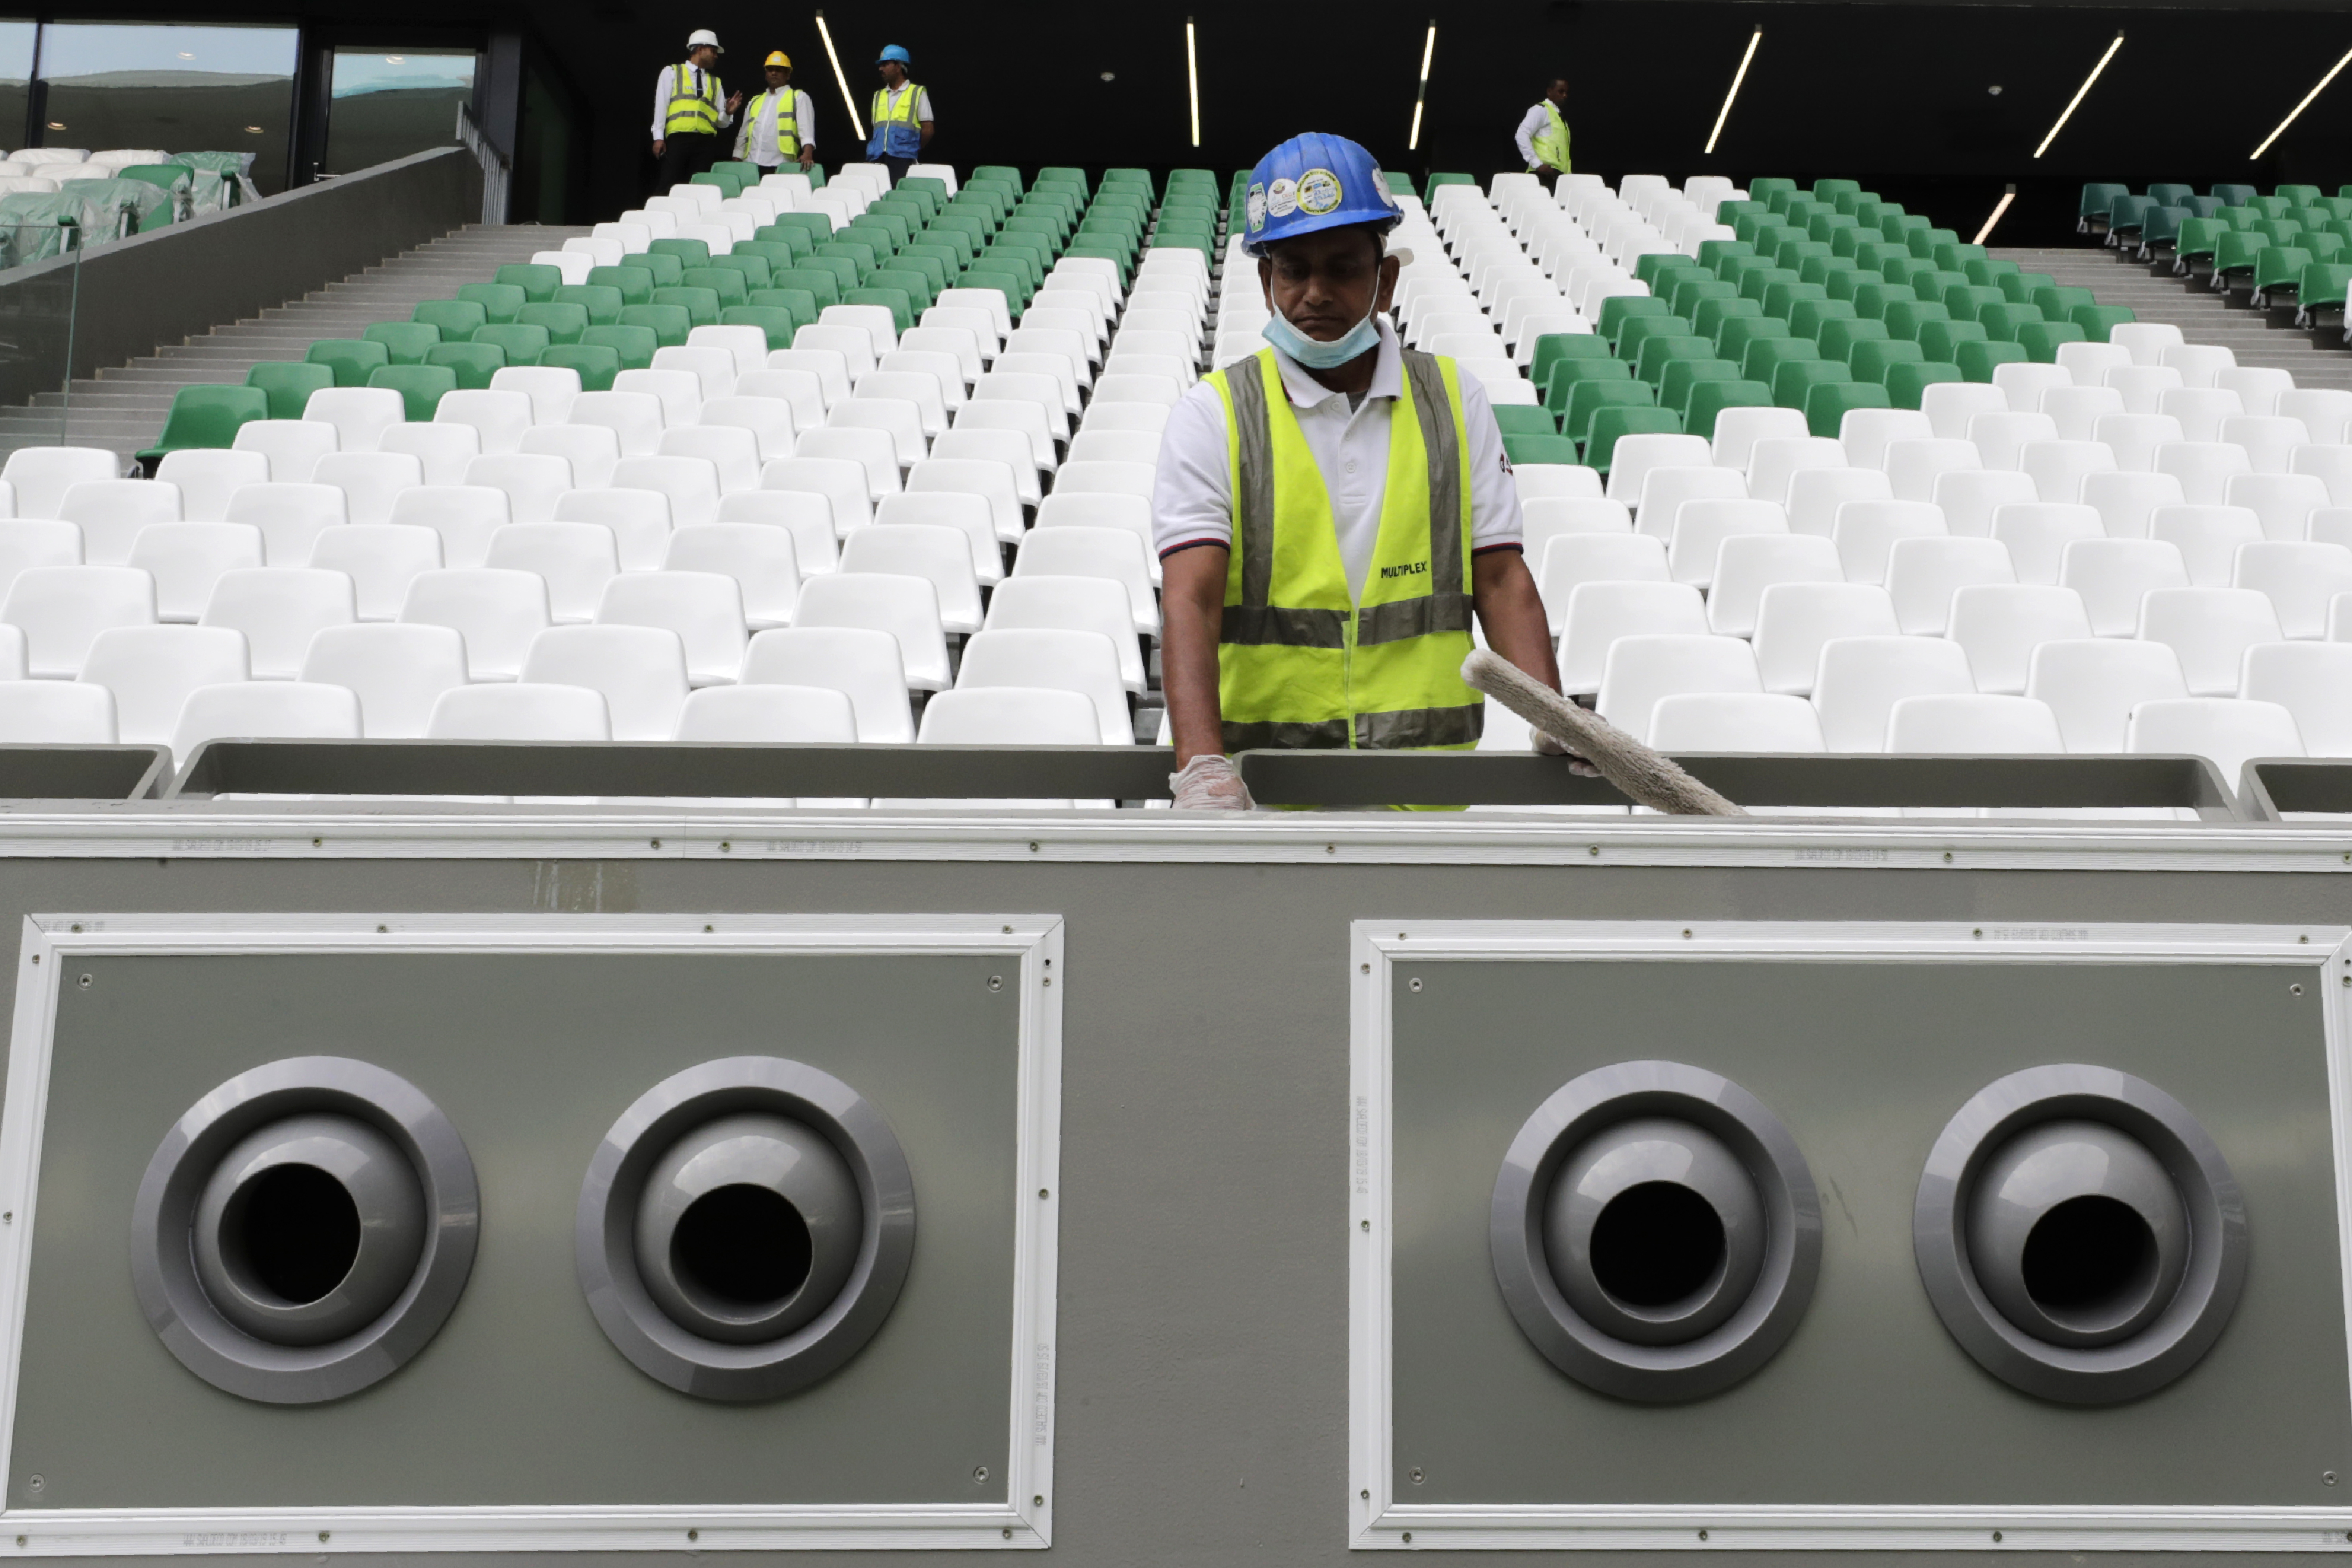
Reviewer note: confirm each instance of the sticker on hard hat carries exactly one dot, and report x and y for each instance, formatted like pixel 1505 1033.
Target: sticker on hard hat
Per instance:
pixel 1318 192
pixel 1256 207
pixel 1281 198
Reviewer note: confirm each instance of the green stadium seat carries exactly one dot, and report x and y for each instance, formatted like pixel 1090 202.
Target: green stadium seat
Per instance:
pixel 631 344
pixel 601 302
pixel 1524 419
pixel 2321 287
pixel 1619 308
pixel 500 302
pixel 1872 361
pixel 1839 338
pixel 208 416
pixel 595 364
pixel 537 280
pixel 524 344
pixel 669 323
pixel 1612 425
pixel 1741 333
pixel 1554 347
pixel 1907 318
pixel 564 322
pixel 1766 355
pixel 2001 321
pixel 701 305
pixel 473 364
pixel 1942 339
pixel 420 386
pixel 2279 266
pixel 1685 375
pixel 1978 360
pixel 2098 321
pixel 1641 329
pixel 1828 403
pixel 777 322
pixel 1709 398
pixel 1793 383
pixel 725 287
pixel 1707 321
pixel 1538 449
pixel 2041 339
pixel 1905 383
pixel 2097 200
pixel 289 383
pixel 798 303
pixel 455 320
pixel 1661 350
pixel 1587 398
pixel 1564 376
pixel 2234 195
pixel 353 360
pixel 636 284
pixel 687 252
pixel 405 341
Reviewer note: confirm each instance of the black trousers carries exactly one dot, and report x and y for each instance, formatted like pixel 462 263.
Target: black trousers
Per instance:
pixel 898 166
pixel 685 155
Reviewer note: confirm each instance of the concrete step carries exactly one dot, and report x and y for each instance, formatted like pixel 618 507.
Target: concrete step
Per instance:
pixel 124 406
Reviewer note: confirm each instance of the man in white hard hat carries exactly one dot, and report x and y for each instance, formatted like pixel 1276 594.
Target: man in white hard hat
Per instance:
pixel 691 108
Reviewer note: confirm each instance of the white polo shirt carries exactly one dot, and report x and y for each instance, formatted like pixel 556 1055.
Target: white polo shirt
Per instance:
pixel 1193 502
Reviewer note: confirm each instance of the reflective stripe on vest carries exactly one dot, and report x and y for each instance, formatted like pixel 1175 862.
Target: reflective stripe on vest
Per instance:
pixel 897 131
pixel 691 112
pixel 788 107
pixel 1551 147
pixel 1300 665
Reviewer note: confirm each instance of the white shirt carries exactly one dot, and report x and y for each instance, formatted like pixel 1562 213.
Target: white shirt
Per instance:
pixel 665 81
pixel 756 143
pixel 1193 502
pixel 1530 127
pixel 891 95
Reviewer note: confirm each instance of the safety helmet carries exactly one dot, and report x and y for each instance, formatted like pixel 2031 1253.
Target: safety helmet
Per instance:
pixel 779 58
pixel 895 52
pixel 1313 183
pixel 700 36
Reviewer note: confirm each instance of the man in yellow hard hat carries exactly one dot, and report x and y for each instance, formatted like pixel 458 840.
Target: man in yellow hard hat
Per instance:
pixel 779 126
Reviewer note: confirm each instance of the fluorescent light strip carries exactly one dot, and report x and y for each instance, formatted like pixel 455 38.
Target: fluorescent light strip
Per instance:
pixel 2000 207
pixel 1736 78
pixel 2080 93
pixel 1420 93
pixel 826 33
pixel 2299 108
pixel 1192 78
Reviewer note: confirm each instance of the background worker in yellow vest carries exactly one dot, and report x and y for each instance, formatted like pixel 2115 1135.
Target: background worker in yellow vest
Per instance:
pixel 1331 513
pixel 780 125
pixel 690 109
pixel 1543 134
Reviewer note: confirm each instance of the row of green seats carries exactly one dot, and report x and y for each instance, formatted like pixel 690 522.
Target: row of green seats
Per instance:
pixel 735 178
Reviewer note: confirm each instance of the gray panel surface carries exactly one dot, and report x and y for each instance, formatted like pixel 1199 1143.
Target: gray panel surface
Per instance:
pixel 1869 1402
pixel 1201 1333
pixel 520 1398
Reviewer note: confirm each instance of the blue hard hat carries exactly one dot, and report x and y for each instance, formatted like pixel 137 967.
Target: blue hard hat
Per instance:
pixel 895 52
pixel 1315 182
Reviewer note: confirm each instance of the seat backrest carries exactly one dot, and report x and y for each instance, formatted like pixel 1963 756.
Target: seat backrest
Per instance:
pixel 1861 678
pixel 497 611
pixel 396 671
pixel 532 482
pixel 1973 724
pixel 266 710
pixel 278 608
pixel 369 480
pixel 639 671
pixel 360 415
pixel 862 663
pixel 54 712
pixel 1795 619
pixel 704 609
pixel 574 559
pixel 1084 662
pixel 150 669
pixel 904 605
pixel 41 475
pixel 206 476
pixel 2227 734
pixel 516 711
pixel 2001 625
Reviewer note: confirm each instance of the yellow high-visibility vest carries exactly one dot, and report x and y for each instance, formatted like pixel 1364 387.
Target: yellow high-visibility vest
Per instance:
pixel 1299 663
pixel 788 106
pixel 897 133
pixel 691 112
pixel 1552 146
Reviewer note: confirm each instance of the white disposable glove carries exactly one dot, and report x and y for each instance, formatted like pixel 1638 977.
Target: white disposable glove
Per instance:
pixel 1552 746
pixel 1210 781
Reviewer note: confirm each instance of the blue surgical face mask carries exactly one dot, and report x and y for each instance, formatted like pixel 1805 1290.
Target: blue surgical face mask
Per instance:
pixel 1316 354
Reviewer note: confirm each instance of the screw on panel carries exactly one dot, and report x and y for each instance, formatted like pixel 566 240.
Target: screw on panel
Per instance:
pixel 980 1472
pixel 1702 1535
pixel 325 1536
pixel 725 847
pixel 1008 930
pixel 315 843
pixel 1595 852
pixel 1408 1536
pixel 382 930
pixel 1415 985
pixel 706 931
pixel 1042 1192
pixel 1978 931
pixel 1033 849
pixel 36 1483
pixel 1686 933
pixel 83 983
pixel 693 1535
pixel 1947 857
pixel 77 925
pixel 1366 968
pixel 1996 1535
pixel 1365 1224
pixel 1415 1473
pixel 656 843
pixel 2294 990
pixel 1366 1494
pixel 996 982
pixel 2328 1477
pixel 1008 1532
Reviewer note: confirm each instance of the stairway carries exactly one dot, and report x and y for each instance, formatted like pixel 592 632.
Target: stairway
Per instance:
pixel 2202 316
pixel 123 408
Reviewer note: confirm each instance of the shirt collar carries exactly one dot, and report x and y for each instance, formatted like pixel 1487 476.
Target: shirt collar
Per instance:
pixel 1388 373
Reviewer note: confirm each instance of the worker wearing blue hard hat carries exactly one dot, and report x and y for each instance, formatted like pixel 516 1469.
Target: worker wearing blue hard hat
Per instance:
pixel 901 117
pixel 1331 513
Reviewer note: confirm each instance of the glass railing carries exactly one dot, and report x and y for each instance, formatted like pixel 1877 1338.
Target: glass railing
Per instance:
pixel 39 293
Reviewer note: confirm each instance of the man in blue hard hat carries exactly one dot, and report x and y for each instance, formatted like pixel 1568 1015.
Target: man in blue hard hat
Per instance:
pixel 901 117
pixel 1332 512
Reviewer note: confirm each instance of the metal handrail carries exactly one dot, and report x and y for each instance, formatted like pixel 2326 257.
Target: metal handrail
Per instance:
pixel 498 173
